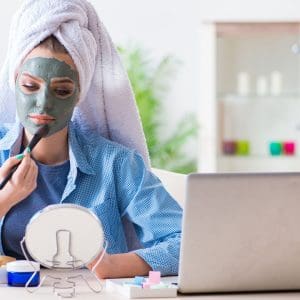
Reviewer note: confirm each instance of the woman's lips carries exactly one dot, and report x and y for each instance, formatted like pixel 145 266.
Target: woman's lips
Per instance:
pixel 41 119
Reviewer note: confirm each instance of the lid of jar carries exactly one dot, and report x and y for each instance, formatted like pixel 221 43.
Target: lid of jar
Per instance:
pixel 22 266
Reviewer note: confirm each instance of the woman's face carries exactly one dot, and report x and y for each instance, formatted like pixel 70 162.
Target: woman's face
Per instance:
pixel 47 90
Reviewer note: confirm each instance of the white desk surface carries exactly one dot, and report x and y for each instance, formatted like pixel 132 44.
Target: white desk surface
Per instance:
pixel 83 292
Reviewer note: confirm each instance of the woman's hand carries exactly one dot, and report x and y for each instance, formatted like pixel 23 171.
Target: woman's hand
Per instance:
pixel 103 267
pixel 120 265
pixel 22 183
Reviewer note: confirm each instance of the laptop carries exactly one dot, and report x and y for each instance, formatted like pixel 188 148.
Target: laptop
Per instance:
pixel 241 232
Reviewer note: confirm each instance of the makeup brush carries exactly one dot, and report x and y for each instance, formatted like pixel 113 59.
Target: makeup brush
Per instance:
pixel 42 132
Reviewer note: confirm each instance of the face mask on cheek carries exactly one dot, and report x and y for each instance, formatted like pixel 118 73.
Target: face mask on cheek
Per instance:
pixel 55 110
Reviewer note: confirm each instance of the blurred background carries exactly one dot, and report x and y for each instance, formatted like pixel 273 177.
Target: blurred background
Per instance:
pixel 217 82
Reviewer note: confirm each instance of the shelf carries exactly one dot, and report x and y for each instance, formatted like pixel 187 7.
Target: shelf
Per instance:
pixel 242 29
pixel 236 59
pixel 254 97
pixel 258 163
pixel 260 157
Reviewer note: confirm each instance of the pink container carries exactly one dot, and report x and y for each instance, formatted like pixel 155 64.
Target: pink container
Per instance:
pixel 289 148
pixel 229 147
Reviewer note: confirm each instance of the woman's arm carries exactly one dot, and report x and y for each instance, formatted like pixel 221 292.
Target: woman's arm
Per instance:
pixel 156 217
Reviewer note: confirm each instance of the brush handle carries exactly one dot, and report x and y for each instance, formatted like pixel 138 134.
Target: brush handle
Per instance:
pixel 36 138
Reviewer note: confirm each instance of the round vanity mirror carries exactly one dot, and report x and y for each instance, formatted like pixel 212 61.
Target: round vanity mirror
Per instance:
pixel 64 236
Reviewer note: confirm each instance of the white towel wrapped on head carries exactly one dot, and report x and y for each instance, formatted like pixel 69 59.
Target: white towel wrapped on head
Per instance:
pixel 106 103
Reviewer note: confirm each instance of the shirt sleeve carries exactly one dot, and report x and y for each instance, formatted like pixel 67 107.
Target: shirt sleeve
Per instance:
pixel 155 215
pixel 4 155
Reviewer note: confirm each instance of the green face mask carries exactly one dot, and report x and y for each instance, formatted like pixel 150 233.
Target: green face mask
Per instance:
pixel 49 99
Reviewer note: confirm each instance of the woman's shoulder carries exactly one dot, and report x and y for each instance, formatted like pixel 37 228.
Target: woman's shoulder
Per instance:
pixel 7 137
pixel 99 146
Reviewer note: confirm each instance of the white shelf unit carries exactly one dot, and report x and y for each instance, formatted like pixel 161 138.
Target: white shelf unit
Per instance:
pixel 259 164
pixel 226 49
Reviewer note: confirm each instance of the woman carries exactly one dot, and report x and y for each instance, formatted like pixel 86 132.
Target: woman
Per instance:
pixel 94 154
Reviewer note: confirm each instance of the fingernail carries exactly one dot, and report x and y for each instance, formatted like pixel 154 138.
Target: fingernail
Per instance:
pixel 20 156
pixel 27 150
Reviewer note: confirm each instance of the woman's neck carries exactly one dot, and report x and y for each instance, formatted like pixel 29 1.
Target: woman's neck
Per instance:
pixel 50 150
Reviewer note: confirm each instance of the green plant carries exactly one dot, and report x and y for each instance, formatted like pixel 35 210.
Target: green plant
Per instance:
pixel 150 82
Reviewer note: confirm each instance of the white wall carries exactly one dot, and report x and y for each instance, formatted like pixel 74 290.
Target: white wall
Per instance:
pixel 171 26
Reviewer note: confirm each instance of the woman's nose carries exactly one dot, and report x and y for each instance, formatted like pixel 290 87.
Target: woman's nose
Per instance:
pixel 43 99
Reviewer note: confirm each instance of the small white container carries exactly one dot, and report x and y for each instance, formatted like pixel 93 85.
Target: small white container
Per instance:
pixel 261 86
pixel 243 84
pixel 20 271
pixel 276 83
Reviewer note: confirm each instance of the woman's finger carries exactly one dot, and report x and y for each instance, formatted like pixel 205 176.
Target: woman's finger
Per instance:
pixel 22 169
pixel 31 176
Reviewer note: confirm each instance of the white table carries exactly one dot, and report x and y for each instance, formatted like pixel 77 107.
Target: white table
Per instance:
pixel 83 292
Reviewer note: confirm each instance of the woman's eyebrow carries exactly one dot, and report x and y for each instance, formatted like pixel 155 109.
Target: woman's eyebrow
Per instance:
pixel 31 76
pixel 62 80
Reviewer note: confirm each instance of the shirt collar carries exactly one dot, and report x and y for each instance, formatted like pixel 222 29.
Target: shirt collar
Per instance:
pixel 78 150
pixel 78 153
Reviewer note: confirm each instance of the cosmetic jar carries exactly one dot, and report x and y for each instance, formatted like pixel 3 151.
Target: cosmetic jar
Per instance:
pixel 20 271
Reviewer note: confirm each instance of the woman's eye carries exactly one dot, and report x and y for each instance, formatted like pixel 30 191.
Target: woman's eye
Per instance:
pixel 63 92
pixel 30 87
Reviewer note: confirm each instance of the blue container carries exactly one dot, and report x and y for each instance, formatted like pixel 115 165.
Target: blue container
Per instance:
pixel 275 148
pixel 20 271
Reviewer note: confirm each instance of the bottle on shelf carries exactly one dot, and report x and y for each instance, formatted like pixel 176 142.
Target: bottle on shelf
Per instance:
pixel 243 84
pixel 261 85
pixel 275 83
